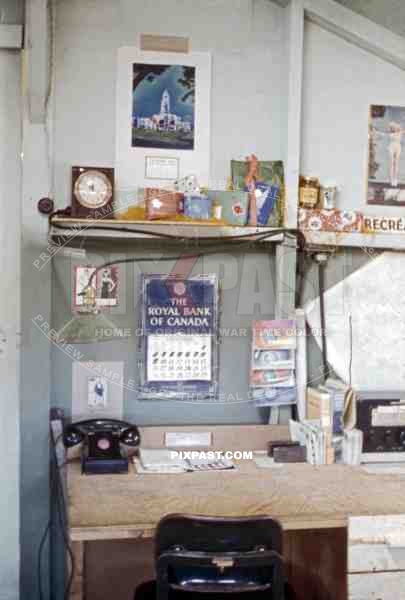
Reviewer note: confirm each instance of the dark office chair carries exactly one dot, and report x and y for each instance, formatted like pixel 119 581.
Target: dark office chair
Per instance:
pixel 230 558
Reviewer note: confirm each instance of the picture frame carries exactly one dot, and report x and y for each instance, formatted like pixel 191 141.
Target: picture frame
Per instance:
pixel 386 156
pixel 105 286
pixel 163 109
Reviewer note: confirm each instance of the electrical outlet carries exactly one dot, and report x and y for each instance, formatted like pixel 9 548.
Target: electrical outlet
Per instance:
pixel 96 390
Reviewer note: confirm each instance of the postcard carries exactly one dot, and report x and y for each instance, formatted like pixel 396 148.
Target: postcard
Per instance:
pixel 275 334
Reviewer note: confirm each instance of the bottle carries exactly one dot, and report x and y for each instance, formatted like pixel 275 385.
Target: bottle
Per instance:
pixel 216 210
pixel 309 192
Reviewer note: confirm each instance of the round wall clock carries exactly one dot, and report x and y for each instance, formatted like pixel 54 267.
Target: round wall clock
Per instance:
pixel 92 190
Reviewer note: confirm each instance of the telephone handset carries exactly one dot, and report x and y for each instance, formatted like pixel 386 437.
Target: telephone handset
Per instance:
pixel 101 452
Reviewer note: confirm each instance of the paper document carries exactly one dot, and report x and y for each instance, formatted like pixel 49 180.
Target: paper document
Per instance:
pixel 158 460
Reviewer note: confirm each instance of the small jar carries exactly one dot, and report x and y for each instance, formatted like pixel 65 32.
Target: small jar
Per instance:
pixel 328 196
pixel 216 210
pixel 309 192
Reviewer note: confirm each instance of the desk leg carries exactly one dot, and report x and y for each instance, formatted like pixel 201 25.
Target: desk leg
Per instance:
pixel 77 589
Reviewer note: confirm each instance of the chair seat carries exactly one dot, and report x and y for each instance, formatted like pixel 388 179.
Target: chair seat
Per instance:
pixel 147 591
pixel 240 578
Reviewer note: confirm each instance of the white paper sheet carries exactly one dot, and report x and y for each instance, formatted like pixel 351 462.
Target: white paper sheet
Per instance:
pixel 179 358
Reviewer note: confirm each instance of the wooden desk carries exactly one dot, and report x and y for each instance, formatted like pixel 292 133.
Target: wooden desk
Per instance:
pixel 304 498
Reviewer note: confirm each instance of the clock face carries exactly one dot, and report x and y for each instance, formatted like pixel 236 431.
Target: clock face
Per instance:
pixel 93 189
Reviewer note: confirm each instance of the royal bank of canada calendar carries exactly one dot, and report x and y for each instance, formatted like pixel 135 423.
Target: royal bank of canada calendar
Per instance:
pixel 180 336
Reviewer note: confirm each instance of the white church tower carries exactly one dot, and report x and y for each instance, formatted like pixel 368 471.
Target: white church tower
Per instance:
pixel 165 103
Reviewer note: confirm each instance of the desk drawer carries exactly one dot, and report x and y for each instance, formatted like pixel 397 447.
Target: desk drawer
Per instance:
pixel 376 544
pixel 377 586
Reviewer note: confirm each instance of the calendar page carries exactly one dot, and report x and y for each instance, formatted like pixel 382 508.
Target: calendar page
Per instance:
pixel 179 358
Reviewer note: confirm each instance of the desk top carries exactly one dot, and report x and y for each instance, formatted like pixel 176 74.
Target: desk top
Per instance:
pixel 301 496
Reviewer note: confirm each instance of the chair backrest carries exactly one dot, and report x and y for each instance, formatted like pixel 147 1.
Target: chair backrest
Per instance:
pixel 195 533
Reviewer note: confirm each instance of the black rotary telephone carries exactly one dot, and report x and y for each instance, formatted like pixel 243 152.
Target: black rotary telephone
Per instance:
pixel 102 438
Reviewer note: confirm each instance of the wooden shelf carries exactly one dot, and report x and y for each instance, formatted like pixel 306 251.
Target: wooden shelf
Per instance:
pixel 363 241
pixel 79 229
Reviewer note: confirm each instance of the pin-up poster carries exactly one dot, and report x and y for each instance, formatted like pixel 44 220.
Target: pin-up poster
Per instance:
pixel 386 158
pixel 180 335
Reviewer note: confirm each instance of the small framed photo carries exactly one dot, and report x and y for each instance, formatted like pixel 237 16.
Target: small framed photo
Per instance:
pixel 103 289
pixel 107 287
pixel 96 392
pixel 81 293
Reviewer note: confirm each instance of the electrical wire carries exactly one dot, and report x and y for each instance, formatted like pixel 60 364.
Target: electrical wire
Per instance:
pixel 251 237
pixel 62 512
pixel 247 239
pixel 57 498
pixel 43 542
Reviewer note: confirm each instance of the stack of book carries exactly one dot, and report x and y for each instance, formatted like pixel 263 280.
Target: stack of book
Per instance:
pixel 317 440
pixel 272 369
pixel 333 402
pixel 332 405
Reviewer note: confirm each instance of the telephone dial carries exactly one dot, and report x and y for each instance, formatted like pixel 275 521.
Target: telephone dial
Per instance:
pixel 102 439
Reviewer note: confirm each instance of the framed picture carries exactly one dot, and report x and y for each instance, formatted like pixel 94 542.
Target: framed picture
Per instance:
pixel 104 286
pixel 163 108
pixel 107 287
pixel 386 156
pixel 82 276
pixel 180 337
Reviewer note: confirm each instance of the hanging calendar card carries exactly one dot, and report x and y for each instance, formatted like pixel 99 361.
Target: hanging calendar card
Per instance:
pixel 179 342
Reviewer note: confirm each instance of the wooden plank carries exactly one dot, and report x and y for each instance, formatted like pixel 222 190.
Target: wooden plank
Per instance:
pixel 38 44
pixel 11 37
pixel 376 529
pixel 67 231
pixel 300 496
pixel 357 29
pixel 364 558
pixel 362 241
pixel 316 563
pixel 110 533
pixel 286 253
pixel 114 569
pixel 295 28
pixel 376 586
pixel 77 589
pixel 164 43
pixel 242 437
pixel 370 540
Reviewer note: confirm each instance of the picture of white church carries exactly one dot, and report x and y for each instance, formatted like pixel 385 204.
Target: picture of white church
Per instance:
pixel 165 120
pixel 163 106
